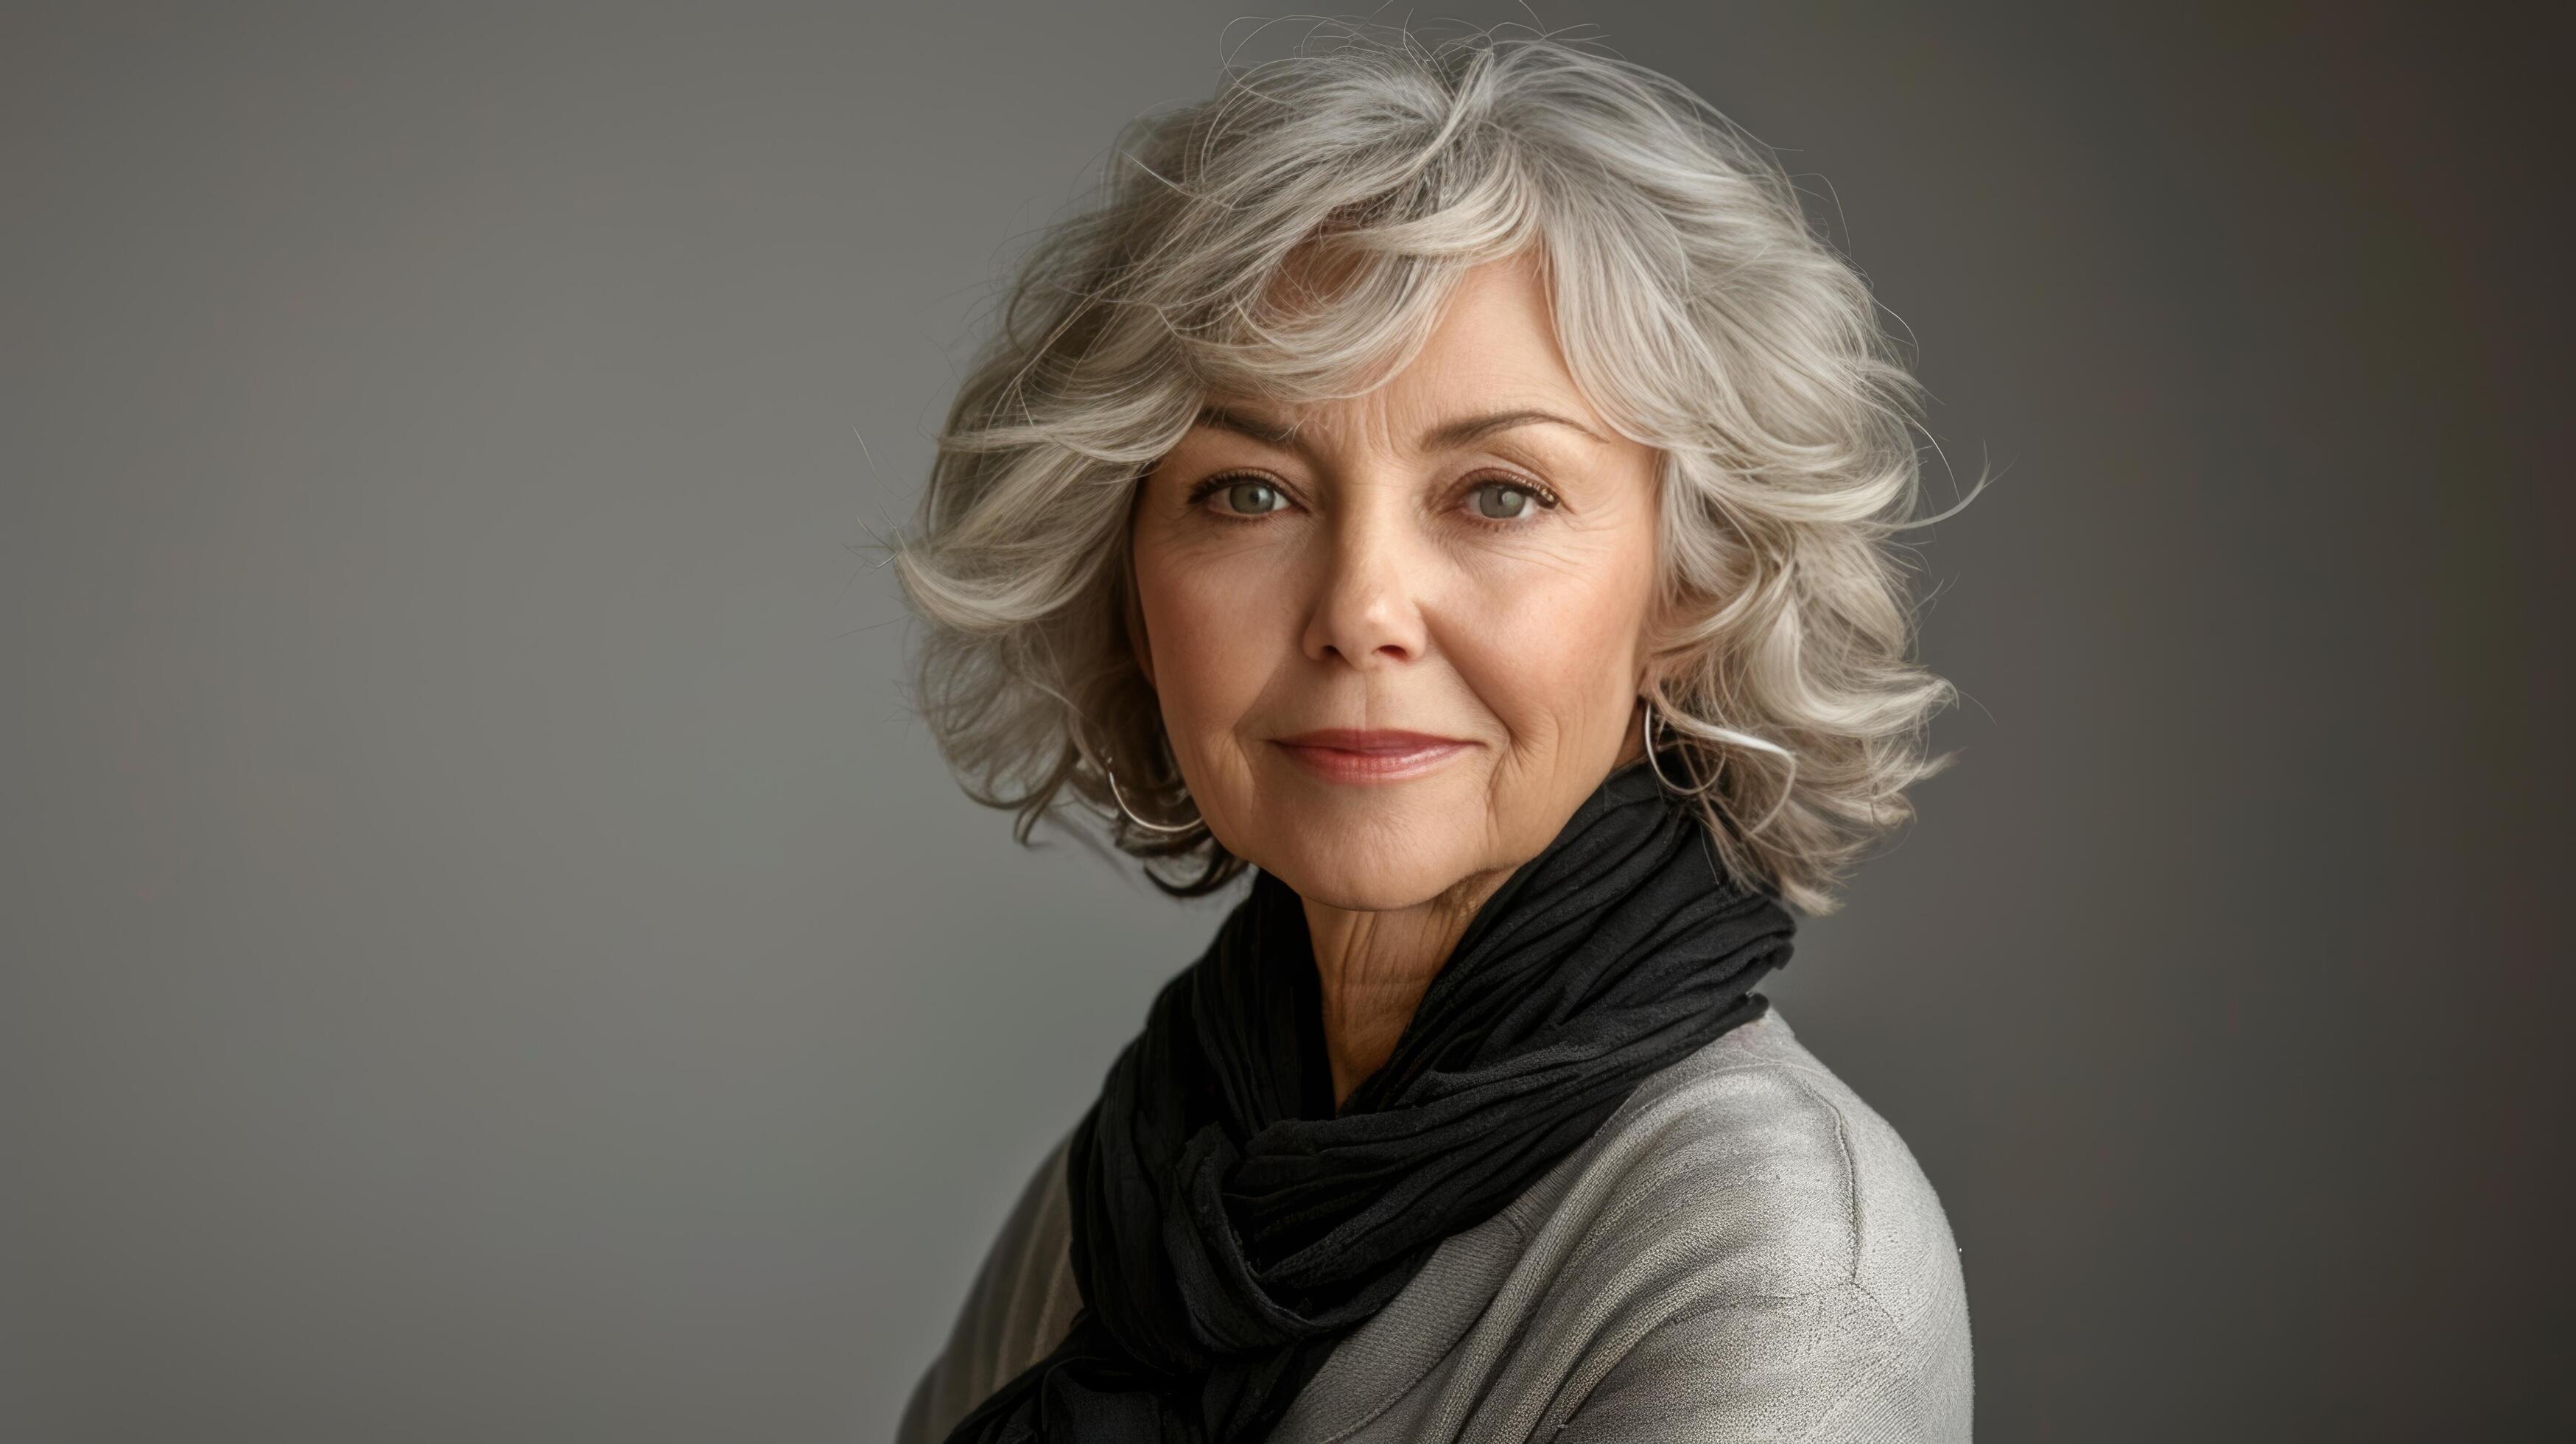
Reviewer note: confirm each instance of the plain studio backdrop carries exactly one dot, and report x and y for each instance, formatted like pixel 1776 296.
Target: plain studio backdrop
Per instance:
pixel 487 952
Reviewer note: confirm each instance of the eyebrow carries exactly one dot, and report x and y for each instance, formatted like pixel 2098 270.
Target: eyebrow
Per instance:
pixel 1447 434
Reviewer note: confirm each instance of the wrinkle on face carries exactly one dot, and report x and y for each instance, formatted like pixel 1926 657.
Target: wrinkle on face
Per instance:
pixel 1375 599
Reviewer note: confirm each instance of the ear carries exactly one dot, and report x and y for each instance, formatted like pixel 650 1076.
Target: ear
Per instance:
pixel 1139 644
pixel 1657 659
pixel 1652 663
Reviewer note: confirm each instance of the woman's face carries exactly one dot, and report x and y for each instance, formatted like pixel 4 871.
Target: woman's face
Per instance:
pixel 1395 651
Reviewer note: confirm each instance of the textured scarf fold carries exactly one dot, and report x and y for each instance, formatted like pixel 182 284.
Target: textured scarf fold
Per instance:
pixel 1229 1228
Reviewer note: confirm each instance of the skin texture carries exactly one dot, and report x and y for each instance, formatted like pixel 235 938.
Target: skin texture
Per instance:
pixel 1357 576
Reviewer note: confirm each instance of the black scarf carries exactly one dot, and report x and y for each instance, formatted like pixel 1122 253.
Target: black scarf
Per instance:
pixel 1229 1228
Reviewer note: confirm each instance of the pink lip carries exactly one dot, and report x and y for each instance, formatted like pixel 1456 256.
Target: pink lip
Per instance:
pixel 1348 754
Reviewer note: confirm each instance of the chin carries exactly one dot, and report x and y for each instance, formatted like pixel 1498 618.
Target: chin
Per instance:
pixel 1379 861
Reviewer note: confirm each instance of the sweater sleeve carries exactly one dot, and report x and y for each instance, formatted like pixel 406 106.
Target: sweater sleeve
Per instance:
pixel 1833 1365
pixel 1798 1281
pixel 1020 1306
pixel 1751 1254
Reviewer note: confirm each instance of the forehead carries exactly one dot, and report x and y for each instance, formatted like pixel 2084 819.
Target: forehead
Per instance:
pixel 1493 349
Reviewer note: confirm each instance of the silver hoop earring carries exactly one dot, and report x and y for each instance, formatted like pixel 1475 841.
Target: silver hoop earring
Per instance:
pixel 1115 796
pixel 1646 732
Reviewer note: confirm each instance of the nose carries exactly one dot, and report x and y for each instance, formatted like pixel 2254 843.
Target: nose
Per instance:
pixel 1366 611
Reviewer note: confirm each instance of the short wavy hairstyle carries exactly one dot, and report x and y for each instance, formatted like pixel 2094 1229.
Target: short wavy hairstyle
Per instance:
pixel 1695 304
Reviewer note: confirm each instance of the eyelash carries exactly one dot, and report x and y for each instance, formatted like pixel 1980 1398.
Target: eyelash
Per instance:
pixel 1545 497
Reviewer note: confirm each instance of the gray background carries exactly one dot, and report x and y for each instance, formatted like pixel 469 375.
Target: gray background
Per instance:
pixel 485 951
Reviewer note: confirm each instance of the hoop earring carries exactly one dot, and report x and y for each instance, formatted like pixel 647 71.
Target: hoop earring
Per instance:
pixel 1646 733
pixel 1646 729
pixel 1192 825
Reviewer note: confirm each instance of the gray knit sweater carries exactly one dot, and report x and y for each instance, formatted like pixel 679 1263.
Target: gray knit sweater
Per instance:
pixel 1743 1251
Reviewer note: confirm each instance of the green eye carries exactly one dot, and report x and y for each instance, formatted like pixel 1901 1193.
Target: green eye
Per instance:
pixel 1502 501
pixel 1252 498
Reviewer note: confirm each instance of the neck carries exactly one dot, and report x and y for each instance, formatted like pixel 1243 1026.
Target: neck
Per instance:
pixel 1375 967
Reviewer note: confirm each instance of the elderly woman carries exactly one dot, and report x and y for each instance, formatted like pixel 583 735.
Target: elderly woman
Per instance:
pixel 1451 485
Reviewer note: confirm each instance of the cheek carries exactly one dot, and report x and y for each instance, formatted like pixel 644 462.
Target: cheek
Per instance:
pixel 1553 649
pixel 1215 643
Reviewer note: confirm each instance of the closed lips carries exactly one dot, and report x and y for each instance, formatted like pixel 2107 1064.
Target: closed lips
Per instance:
pixel 1345 739
pixel 1355 755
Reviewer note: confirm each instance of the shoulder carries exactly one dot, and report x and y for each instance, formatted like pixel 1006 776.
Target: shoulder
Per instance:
pixel 1753 1226
pixel 1782 1176
pixel 1018 1309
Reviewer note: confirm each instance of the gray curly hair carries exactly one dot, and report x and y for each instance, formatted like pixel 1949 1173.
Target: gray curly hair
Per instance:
pixel 1695 305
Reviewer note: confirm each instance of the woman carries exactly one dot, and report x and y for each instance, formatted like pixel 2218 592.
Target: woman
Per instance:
pixel 1451 484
